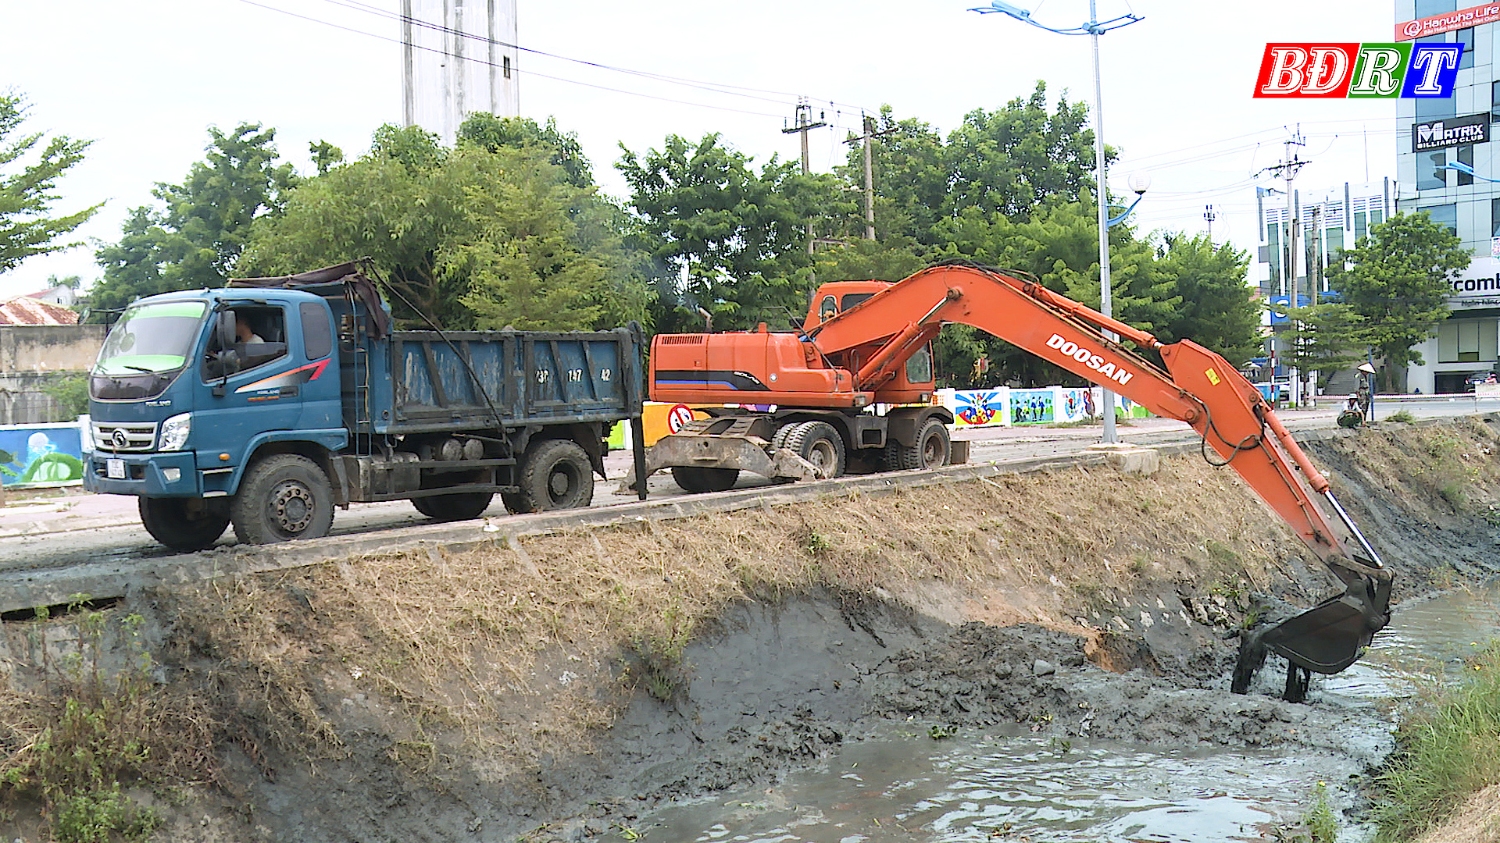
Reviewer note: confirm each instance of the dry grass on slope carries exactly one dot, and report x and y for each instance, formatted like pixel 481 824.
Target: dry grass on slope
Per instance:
pixel 530 648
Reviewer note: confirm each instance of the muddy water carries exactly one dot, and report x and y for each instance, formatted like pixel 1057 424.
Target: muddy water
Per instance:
pixel 903 785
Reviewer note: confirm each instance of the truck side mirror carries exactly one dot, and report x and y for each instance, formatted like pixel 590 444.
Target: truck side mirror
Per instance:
pixel 224 328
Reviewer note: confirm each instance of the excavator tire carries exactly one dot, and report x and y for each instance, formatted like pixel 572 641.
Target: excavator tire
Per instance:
pixel 931 450
pixel 696 479
pixel 818 443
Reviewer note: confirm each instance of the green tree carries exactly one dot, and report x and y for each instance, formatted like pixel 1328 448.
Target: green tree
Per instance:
pixel 29 173
pixel 325 156
pixel 467 237
pixel 1216 309
pixel 195 238
pixel 724 237
pixel 1399 282
pixel 1012 159
pixel 1324 338
pixel 491 133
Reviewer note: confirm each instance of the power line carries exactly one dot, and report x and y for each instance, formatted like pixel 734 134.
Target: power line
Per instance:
pixel 514 70
pixel 713 87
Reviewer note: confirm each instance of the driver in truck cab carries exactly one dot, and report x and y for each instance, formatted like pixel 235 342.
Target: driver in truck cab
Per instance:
pixel 242 330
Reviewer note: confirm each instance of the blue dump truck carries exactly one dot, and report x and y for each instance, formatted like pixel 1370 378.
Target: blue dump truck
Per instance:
pixel 271 401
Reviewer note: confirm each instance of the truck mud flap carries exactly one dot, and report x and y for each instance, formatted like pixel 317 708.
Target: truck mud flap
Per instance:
pixel 745 453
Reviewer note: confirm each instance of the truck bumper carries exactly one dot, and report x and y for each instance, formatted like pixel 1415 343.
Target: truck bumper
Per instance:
pixel 163 475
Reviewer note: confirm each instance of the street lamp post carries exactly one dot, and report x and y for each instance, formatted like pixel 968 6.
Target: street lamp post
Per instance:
pixel 1094 28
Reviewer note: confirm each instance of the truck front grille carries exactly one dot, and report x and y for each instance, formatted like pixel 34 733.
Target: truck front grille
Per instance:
pixel 119 437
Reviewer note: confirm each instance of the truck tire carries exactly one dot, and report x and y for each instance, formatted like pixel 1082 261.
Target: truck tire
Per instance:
pixel 463 506
pixel 283 497
pixel 931 450
pixel 697 479
pixel 818 443
pixel 556 475
pixel 185 524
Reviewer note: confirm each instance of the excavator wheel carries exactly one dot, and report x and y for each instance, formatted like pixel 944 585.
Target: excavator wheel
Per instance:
pixel 695 479
pixel 818 443
pixel 931 449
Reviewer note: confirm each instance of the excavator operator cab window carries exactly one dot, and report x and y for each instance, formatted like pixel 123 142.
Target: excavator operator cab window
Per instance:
pixel 827 309
pixel 919 367
pixel 853 299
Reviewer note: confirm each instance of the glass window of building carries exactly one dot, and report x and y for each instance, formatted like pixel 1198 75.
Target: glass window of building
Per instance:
pixel 1444 215
pixel 1376 215
pixel 1334 237
pixel 1430 172
pixel 1434 108
pixel 1466 157
pixel 1495 102
pixel 1428 8
pixel 1495 217
pixel 1467 340
pixel 1359 226
pixel 1466 38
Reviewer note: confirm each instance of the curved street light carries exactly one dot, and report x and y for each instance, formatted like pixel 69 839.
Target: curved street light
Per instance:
pixel 1139 184
pixel 1092 28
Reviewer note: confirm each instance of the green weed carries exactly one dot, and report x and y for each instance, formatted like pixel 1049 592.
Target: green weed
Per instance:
pixel 1446 751
pixel 1401 416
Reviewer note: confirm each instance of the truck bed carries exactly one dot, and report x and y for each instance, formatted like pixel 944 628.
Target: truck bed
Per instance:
pixel 463 380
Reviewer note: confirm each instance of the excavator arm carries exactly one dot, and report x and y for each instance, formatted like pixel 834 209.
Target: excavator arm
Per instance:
pixel 1197 386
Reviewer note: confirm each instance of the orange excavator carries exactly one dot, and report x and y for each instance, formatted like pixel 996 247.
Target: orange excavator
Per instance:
pixel 852 388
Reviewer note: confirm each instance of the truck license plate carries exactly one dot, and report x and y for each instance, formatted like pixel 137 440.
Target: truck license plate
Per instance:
pixel 114 469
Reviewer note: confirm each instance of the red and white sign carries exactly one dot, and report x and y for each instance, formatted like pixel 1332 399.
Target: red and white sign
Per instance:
pixel 678 417
pixel 1448 21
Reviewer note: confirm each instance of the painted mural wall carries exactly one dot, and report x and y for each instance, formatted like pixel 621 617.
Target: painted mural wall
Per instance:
pixel 41 454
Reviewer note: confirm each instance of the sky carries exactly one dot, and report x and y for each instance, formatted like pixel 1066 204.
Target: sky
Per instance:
pixel 144 80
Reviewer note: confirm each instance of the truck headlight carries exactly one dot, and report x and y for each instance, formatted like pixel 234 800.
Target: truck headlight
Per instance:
pixel 86 434
pixel 174 432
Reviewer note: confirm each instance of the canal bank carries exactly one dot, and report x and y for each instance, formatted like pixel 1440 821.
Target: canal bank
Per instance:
pixel 567 685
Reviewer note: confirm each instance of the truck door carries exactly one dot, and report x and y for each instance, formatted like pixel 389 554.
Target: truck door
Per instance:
pixel 263 392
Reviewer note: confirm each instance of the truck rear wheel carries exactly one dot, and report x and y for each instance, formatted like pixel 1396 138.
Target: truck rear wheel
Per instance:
pixel 185 524
pixel 697 479
pixel 818 443
pixel 283 497
pixel 556 475
pixel 463 506
pixel 931 449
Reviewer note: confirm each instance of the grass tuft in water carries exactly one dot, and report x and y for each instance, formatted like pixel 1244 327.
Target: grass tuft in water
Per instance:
pixel 1447 750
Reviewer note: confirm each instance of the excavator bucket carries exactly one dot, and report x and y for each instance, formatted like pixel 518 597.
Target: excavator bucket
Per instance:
pixel 1324 639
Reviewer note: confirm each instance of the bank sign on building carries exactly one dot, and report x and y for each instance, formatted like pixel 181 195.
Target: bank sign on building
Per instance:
pixel 1468 341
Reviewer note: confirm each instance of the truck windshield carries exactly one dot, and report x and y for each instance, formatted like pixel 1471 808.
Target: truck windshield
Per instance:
pixel 151 338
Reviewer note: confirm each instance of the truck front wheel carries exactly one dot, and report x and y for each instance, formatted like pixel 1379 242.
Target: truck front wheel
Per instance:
pixel 556 474
pixel 464 506
pixel 185 524
pixel 283 497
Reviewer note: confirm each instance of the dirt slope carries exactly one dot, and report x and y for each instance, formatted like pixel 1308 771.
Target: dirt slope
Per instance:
pixel 549 689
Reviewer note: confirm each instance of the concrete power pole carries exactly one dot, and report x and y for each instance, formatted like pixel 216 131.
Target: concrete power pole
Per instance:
pixel 1291 162
pixel 805 125
pixel 1208 214
pixel 869 136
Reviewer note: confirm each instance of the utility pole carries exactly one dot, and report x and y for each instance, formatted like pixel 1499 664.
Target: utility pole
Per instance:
pixel 1210 216
pixel 1291 162
pixel 866 138
pixel 805 125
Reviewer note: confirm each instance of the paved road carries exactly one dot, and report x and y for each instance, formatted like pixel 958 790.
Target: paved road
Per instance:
pixel 61 530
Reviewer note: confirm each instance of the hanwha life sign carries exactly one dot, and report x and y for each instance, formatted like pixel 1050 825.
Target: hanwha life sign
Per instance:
pixel 1448 21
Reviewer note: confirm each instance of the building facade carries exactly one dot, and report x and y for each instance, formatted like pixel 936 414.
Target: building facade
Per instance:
pixel 458 57
pixel 1444 133
pixel 1328 222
